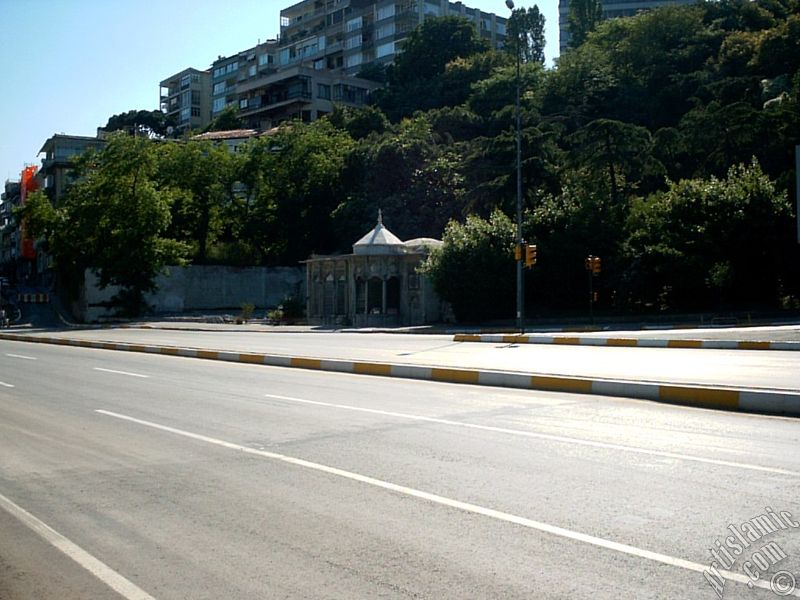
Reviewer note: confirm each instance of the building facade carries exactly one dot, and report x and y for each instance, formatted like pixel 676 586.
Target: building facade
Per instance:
pixel 10 238
pixel 313 66
pixel 229 72
pixel 59 153
pixel 376 286
pixel 186 99
pixel 612 9
pixel 18 256
pixel 349 35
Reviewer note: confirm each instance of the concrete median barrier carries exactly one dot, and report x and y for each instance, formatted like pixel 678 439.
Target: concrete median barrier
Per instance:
pixel 781 402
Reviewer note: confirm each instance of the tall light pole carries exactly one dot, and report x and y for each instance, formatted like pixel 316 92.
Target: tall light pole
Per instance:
pixel 519 253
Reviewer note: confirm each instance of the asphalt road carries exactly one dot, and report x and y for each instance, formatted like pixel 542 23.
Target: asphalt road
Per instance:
pixel 179 478
pixel 734 368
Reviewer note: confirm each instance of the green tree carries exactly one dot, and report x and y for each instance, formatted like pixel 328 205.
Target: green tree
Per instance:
pixel 293 181
pixel 619 152
pixel 583 16
pixel 415 81
pixel 408 173
pixel 579 220
pixel 227 120
pixel 147 123
pixel 713 242
pixel 113 219
pixel 37 215
pixel 359 122
pixel 474 270
pixel 202 177
pixel 527 28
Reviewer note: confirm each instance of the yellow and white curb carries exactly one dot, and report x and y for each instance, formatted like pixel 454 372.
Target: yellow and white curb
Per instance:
pixel 765 401
pixel 558 340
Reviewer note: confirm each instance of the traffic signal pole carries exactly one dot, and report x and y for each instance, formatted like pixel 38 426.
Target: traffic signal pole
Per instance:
pixel 593 267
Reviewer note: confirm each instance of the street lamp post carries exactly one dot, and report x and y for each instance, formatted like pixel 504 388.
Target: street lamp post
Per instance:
pixel 520 258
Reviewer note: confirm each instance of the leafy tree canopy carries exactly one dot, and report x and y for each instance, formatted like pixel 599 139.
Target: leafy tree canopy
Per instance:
pixel 141 122
pixel 227 120
pixel 474 269
pixel 526 28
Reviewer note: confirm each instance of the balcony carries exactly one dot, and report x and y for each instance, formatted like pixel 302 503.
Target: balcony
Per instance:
pixel 266 104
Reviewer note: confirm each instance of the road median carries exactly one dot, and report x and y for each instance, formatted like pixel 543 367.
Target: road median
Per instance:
pixel 781 402
pixel 631 342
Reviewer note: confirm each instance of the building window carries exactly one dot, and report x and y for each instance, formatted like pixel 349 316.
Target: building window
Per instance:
pixel 323 91
pixel 307 50
pixel 433 10
pixel 353 42
pixel 185 81
pixel 341 296
pixel 384 50
pixel 264 59
pixel 195 111
pixel 375 295
pixel 242 103
pixel 349 94
pixel 354 60
pixel 384 31
pixel 319 64
pixel 234 66
pixel 185 114
pixel 393 295
pixel 353 25
pixel 195 97
pixel 384 12
pixel 219 88
pixel 219 104
pixel 361 296
pixel 251 71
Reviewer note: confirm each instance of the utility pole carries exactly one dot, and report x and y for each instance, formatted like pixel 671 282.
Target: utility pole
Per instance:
pixel 519 252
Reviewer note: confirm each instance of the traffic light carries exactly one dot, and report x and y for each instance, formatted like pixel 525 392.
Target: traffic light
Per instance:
pixel 530 255
pixel 593 264
pixel 518 252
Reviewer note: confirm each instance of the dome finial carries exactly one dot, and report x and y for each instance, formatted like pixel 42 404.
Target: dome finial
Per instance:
pixel 380 217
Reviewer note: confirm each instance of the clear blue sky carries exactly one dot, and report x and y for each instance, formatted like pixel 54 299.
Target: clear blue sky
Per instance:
pixel 68 65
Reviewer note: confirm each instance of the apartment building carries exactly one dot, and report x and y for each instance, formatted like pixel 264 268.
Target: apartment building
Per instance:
pixel 611 10
pixel 349 35
pixel 186 98
pixel 228 73
pixel 9 233
pixel 59 152
pixel 315 63
pixel 18 256
pixel 267 93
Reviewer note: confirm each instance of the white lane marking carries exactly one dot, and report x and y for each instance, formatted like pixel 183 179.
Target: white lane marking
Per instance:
pixel 451 503
pixel 22 356
pixel 546 436
pixel 121 372
pixel 103 572
pixel 8 385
